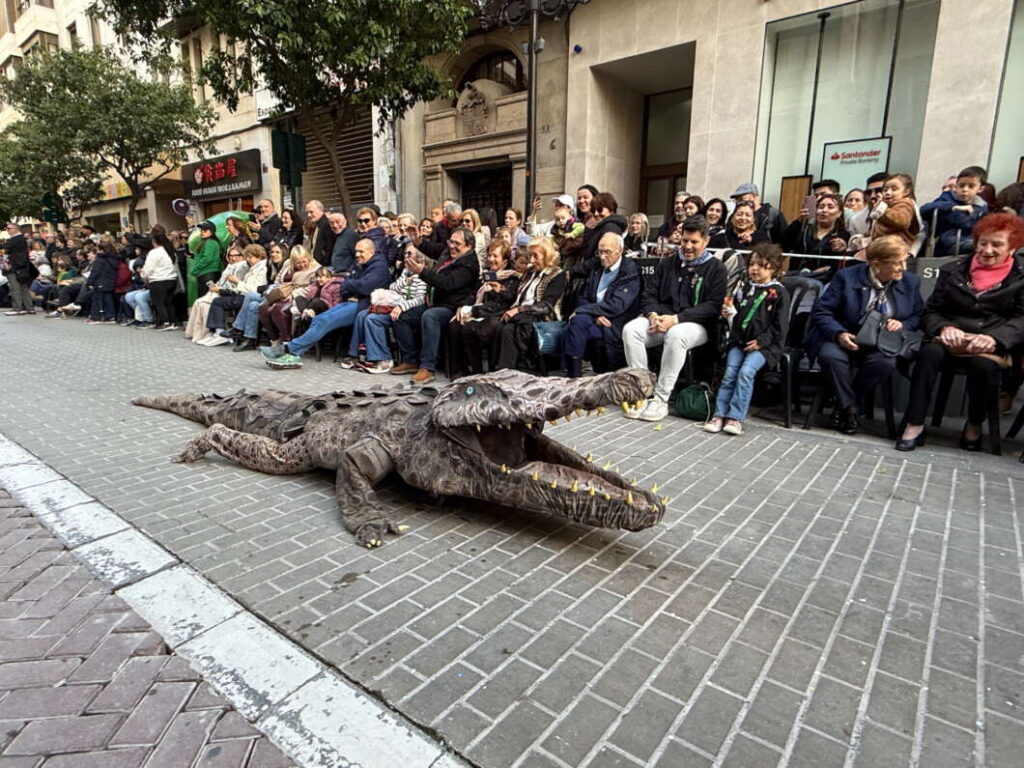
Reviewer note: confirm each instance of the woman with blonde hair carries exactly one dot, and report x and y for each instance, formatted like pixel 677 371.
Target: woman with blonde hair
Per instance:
pixel 295 279
pixel 195 328
pixel 471 221
pixel 538 299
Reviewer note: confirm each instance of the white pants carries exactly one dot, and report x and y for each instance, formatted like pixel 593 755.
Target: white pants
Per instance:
pixel 679 340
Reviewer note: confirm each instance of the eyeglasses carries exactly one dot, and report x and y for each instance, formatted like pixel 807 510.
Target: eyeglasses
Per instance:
pixel 467 221
pixel 364 221
pixel 605 252
pixel 874 190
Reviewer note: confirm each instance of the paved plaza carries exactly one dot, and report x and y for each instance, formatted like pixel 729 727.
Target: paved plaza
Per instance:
pixel 808 600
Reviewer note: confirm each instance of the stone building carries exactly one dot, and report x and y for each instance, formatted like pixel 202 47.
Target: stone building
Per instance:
pixel 647 97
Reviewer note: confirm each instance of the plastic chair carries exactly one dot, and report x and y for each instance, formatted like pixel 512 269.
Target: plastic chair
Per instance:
pixel 942 397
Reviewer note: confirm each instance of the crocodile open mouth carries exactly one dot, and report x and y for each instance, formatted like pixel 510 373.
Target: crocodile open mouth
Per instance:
pixel 525 455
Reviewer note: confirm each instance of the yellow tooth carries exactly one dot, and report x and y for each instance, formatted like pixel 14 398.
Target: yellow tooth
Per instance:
pixel 624 406
pixel 638 404
pixel 654 488
pixel 665 500
pixel 653 508
pixel 607 497
pixel 600 410
pixel 553 422
pixel 535 476
pixel 607 465
pixel 504 469
pixel 591 491
pixel 529 425
pixel 568 417
pixel 574 448
pixel 554 483
pixel 403 528
pixel 589 456
pixel 477 427
pixel 575 486
pixel 578 412
pixel 634 481
pixel 629 497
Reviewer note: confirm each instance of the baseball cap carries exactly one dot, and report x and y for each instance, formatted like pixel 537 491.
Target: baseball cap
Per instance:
pixel 746 189
pixel 565 200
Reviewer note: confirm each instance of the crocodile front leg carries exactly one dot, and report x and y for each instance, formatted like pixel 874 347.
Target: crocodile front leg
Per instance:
pixel 251 451
pixel 362 465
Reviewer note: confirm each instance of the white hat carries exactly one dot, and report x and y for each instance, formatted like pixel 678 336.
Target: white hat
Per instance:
pixel 564 200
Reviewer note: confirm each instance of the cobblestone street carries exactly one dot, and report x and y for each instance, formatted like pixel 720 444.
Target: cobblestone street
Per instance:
pixel 807 600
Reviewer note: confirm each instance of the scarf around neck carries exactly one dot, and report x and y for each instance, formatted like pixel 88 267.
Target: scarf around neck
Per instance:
pixel 986 278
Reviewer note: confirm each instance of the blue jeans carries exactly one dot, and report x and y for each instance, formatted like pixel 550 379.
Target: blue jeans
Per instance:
pixel 371 330
pixel 339 316
pixel 737 385
pixel 139 302
pixel 431 322
pixel 247 319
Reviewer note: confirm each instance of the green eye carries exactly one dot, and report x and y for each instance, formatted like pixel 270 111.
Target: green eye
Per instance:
pixel 470 390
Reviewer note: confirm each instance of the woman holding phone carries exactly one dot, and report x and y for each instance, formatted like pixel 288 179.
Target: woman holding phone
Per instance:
pixel 825 235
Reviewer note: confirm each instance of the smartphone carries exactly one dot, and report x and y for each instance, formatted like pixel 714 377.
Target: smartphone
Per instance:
pixel 810 203
pixel 490 276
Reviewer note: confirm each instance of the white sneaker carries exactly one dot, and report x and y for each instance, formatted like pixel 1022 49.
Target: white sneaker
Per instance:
pixel 715 425
pixel 634 413
pixel 215 341
pixel 655 410
pixel 733 427
pixel 381 366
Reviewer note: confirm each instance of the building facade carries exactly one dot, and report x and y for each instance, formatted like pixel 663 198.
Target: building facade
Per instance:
pixel 648 97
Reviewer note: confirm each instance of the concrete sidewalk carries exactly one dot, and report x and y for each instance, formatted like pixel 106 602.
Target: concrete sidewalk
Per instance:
pixel 808 600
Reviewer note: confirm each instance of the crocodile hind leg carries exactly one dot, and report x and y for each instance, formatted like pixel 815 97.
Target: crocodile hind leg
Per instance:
pixel 363 465
pixel 251 451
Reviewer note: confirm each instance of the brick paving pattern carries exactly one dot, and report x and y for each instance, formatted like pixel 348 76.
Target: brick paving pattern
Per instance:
pixel 85 683
pixel 807 601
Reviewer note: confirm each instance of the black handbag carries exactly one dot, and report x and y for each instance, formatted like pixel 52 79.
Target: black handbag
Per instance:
pixel 873 334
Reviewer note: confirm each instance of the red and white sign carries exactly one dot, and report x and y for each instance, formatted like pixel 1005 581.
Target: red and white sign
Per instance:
pixel 851 162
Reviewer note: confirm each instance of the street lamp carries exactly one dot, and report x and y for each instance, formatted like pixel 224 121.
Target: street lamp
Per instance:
pixel 512 13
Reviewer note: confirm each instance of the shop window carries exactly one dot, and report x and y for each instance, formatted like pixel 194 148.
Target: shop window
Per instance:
pixel 665 151
pixel 501 67
pixel 860 72
pixel 94 31
pixel 1006 165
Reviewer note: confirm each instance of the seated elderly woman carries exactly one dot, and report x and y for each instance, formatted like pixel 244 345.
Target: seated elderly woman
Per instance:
pixel 295 280
pixel 882 284
pixel 234 295
pixel 975 318
pixel 474 325
pixel 195 328
pixel 538 298
pixel 741 231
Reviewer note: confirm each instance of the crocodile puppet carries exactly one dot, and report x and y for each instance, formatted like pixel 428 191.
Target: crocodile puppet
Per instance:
pixel 481 436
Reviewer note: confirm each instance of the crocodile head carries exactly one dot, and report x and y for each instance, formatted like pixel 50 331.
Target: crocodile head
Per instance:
pixel 497 421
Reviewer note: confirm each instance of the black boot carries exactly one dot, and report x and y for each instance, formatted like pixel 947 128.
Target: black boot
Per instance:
pixel 245 345
pixel 848 421
pixel 574 368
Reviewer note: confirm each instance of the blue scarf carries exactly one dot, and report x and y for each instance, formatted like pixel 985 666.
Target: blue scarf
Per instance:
pixel 706 256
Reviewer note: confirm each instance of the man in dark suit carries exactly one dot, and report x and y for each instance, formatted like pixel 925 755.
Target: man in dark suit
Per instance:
pixel 22 271
pixel 267 224
pixel 321 239
pixel 343 255
pixel 609 300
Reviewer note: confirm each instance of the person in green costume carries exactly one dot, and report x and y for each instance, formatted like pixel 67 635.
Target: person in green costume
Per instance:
pixel 205 265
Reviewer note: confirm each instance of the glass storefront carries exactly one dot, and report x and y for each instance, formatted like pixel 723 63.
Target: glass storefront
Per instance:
pixel 1007 160
pixel 856 71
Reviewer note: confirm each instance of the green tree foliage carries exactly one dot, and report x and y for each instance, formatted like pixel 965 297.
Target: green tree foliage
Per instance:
pixel 101 115
pixel 326 60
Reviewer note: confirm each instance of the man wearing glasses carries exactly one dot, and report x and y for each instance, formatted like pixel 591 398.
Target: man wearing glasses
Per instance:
pixel 860 222
pixel 451 282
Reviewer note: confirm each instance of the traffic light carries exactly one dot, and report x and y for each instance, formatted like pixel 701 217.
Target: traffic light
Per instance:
pixel 288 151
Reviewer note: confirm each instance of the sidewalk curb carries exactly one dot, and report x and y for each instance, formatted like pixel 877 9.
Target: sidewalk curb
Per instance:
pixel 310 712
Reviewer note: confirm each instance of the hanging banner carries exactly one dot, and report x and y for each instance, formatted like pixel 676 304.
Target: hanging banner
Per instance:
pixel 851 162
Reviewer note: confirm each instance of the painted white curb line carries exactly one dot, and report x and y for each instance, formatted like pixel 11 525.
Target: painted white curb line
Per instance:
pixel 309 711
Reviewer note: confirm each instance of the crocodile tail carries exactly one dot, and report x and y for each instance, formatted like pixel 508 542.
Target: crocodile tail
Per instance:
pixel 201 408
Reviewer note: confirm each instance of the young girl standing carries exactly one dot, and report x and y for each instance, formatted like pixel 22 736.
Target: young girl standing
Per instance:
pixel 897 213
pixel 758 315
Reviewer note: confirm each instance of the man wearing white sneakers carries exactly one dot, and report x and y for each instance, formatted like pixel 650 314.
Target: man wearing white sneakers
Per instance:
pixel 681 303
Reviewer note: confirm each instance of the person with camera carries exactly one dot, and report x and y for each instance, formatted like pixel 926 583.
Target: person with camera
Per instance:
pixel 825 235
pixel 881 285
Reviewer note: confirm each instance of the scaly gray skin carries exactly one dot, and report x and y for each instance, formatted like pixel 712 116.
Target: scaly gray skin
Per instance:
pixel 481 437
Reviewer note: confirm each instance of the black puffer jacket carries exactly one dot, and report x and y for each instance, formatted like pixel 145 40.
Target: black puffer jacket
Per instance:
pixel 103 275
pixel 592 236
pixel 998 312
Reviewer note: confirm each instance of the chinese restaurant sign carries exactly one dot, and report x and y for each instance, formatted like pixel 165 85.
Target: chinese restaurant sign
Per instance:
pixel 234 175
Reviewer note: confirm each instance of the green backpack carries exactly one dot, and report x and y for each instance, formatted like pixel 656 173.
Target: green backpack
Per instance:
pixel 694 402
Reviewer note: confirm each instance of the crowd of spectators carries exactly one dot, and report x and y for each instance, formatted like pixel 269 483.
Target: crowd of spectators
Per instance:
pixel 457 293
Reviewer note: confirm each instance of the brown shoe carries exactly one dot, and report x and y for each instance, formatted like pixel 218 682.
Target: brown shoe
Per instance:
pixel 404 368
pixel 423 376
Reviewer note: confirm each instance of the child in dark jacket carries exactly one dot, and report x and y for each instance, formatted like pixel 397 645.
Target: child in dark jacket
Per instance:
pixel 758 315
pixel 955 212
pixel 103 281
